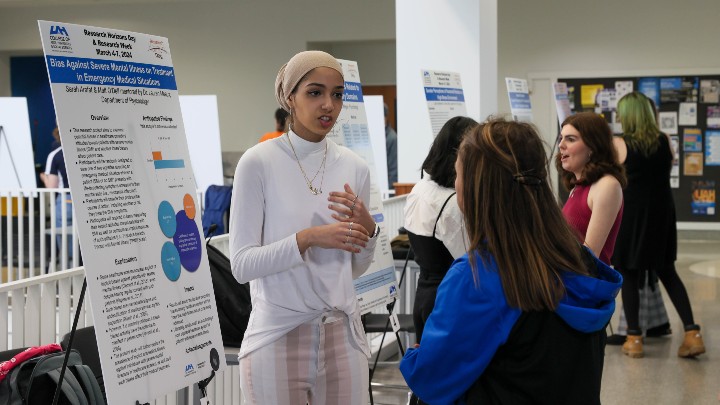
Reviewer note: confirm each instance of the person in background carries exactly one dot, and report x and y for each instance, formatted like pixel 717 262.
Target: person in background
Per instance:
pixel 647 239
pixel 300 233
pixel 55 176
pixel 390 149
pixel 433 219
pixel 521 317
pixel 652 316
pixel 588 165
pixel 281 125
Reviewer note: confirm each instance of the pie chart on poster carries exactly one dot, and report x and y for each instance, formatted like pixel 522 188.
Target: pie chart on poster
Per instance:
pixel 170 260
pixel 188 242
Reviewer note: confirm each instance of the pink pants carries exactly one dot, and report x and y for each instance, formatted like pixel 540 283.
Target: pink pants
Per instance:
pixel 316 363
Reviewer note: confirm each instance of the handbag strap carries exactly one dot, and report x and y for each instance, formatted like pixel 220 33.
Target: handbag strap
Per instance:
pixel 441 211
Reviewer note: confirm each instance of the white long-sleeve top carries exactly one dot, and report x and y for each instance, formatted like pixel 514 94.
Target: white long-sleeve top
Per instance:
pixel 422 207
pixel 271 202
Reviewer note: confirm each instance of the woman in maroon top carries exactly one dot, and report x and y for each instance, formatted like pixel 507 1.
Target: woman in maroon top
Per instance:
pixel 589 167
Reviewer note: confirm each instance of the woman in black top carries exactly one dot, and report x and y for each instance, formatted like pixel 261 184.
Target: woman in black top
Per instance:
pixel 648 235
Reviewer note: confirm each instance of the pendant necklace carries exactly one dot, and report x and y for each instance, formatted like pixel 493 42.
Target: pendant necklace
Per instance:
pixel 313 190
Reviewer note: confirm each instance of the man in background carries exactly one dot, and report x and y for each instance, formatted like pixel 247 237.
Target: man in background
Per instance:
pixel 391 150
pixel 55 176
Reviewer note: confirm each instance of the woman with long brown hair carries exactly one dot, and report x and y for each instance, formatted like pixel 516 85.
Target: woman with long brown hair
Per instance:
pixel 588 165
pixel 521 318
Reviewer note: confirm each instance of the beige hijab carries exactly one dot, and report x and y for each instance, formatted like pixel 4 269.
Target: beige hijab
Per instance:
pixel 299 65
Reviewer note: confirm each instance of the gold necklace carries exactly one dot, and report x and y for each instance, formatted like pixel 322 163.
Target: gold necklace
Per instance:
pixel 309 182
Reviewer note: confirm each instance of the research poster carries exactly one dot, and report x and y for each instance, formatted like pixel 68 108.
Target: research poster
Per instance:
pixel 519 99
pixel 712 148
pixel 378 285
pixel 562 103
pixel 137 215
pixel 444 96
pixel 703 197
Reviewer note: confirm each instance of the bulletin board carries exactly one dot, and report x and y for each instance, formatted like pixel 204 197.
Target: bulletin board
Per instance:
pixel 689 112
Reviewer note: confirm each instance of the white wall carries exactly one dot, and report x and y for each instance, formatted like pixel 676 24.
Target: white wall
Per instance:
pixel 232 48
pixel 376 59
pixel 441 35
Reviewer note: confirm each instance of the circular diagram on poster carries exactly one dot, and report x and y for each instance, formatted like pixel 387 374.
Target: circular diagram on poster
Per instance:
pixel 170 260
pixel 188 242
pixel 189 206
pixel 166 219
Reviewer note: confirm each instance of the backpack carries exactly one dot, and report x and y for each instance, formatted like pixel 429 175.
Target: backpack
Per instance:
pixel 33 382
pixel 232 299
pixel 217 207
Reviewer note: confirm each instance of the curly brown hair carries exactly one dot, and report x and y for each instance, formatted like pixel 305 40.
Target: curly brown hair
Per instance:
pixel 597 135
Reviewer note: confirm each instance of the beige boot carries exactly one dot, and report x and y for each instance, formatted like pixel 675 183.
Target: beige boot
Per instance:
pixel 692 345
pixel 633 346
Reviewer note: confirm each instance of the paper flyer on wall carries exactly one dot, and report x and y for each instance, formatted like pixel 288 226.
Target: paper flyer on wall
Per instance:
pixel 519 97
pixel 710 91
pixel 137 214
pixel 650 87
pixel 693 164
pixel 588 94
pixel 675 168
pixel 692 140
pixel 712 148
pixel 703 197
pixel 378 285
pixel 687 114
pixel 713 116
pixel 562 103
pixel 606 100
pixel 678 89
pixel 668 122
pixel 623 87
pixel 444 96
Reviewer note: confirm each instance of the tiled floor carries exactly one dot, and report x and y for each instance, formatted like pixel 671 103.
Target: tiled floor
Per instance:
pixel 660 377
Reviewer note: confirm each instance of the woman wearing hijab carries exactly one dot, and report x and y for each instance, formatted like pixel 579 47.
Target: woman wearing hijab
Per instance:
pixel 300 232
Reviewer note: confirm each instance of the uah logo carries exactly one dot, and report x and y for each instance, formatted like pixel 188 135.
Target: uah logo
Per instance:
pixel 58 30
pixel 392 289
pixel 189 369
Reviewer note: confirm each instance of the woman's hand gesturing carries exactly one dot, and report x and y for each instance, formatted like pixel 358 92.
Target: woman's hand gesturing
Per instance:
pixel 349 207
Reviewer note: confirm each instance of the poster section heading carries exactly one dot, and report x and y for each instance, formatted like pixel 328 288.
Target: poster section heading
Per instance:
pixel 73 70
pixel 353 92
pixel 443 94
